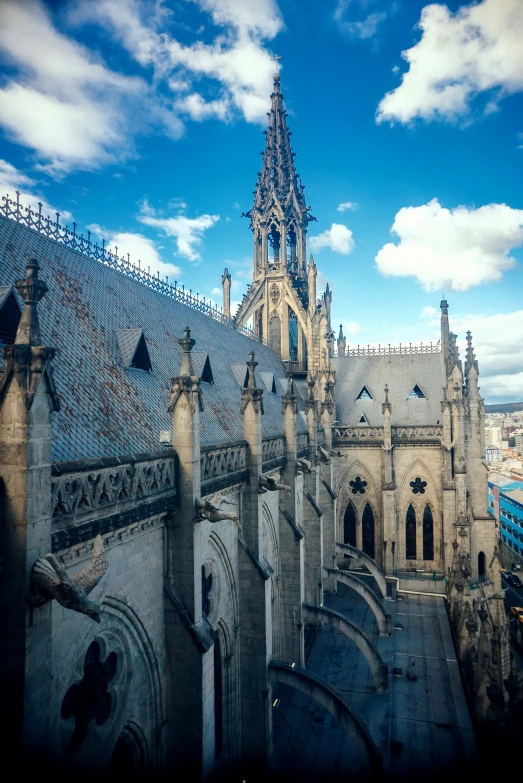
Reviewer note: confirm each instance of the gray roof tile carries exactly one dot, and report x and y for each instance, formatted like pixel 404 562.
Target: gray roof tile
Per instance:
pixel 106 409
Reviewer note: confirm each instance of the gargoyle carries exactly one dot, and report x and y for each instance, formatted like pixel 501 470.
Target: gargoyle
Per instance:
pixel 323 455
pixel 446 446
pixel 210 512
pixel 271 485
pixel 303 465
pixel 50 580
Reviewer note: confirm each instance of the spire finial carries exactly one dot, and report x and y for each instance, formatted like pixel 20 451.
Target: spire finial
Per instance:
pixel 275 59
pixel 31 289
pixel 187 344
pixel 386 394
pixel 251 364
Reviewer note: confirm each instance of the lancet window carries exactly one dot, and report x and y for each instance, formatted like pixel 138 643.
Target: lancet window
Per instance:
pixel 349 525
pixel 428 534
pixel 367 531
pixel 410 533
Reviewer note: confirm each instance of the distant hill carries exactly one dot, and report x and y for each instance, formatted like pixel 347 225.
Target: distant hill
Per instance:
pixel 505 407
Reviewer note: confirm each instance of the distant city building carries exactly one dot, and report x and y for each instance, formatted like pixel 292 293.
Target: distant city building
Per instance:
pixel 506 503
pixel 493 436
pixel 493 454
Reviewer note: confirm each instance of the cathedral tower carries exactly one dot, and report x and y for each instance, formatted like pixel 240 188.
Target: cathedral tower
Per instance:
pixel 280 301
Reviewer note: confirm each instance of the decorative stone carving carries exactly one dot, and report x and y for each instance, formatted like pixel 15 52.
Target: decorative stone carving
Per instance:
pixel 89 699
pixel 76 494
pixel 275 294
pixel 221 461
pixel 50 580
pixel 273 449
pixel 302 441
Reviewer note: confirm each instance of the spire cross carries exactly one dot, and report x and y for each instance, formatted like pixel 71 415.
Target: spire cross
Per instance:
pixel 275 59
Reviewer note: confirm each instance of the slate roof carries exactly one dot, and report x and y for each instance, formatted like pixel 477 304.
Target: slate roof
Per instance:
pixel 127 342
pixel 401 373
pixel 107 410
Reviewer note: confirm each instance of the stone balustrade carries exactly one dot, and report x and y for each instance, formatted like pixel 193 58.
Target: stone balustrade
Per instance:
pixel 420 434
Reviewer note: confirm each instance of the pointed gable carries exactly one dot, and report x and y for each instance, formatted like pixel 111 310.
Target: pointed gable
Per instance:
pixel 133 349
pixel 268 381
pixel 10 314
pixel 363 420
pixel 364 394
pixel 416 393
pixel 201 365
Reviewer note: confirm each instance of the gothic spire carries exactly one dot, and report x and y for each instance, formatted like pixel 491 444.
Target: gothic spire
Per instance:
pixel 278 168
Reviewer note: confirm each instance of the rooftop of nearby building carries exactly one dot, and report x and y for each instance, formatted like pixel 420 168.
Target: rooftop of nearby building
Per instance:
pixel 105 326
pixel 415 388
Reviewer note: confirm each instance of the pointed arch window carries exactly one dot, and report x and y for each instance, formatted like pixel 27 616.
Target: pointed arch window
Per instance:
pixel 275 334
pixel 428 534
pixel 367 531
pixel 293 336
pixel 482 567
pixel 349 526
pixel 363 420
pixel 364 394
pixel 410 533
pixel 416 393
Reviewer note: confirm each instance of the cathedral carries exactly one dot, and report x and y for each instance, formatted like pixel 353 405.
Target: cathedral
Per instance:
pixel 189 496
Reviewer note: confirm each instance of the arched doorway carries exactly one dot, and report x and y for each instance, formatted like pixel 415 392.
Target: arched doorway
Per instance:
pixel 428 534
pixel 367 531
pixel 410 533
pixel 349 526
pixel 482 567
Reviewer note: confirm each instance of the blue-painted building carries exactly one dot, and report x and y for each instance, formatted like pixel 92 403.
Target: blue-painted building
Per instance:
pixel 506 503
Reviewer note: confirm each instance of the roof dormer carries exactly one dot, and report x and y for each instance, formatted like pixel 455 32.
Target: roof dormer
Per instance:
pixel 10 314
pixel 133 349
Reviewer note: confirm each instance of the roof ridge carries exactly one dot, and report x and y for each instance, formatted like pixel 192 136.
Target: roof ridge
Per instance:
pixel 57 232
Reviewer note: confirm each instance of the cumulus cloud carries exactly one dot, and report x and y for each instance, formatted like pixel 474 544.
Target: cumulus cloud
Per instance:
pixel 358 28
pixel 142 251
pixel 452 249
pixel 188 232
pixel 503 388
pixel 352 328
pixel 346 205
pixel 475 50
pixel 236 61
pixel 497 340
pixel 63 102
pixel 12 180
pixel 429 313
pixel 337 238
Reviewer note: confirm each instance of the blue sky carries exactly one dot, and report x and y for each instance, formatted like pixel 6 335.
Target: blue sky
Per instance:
pixel 143 120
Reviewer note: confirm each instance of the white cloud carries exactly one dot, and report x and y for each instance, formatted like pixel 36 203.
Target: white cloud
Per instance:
pixel 503 388
pixel 497 341
pixel 476 50
pixel 345 205
pixel 188 232
pixel 236 59
pixel 142 251
pixel 452 249
pixel 429 313
pixel 352 328
pixel 361 28
pixel 12 180
pixel 337 238
pixel 64 103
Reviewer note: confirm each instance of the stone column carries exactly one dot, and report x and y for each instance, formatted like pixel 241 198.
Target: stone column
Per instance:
pixel 255 597
pixel 189 637
pixel 291 541
pixel 28 398
pixel 312 522
pixel 326 500
pixel 388 487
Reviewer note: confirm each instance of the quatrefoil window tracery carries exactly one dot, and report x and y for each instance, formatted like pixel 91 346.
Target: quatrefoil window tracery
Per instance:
pixel 89 698
pixel 418 486
pixel 358 486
